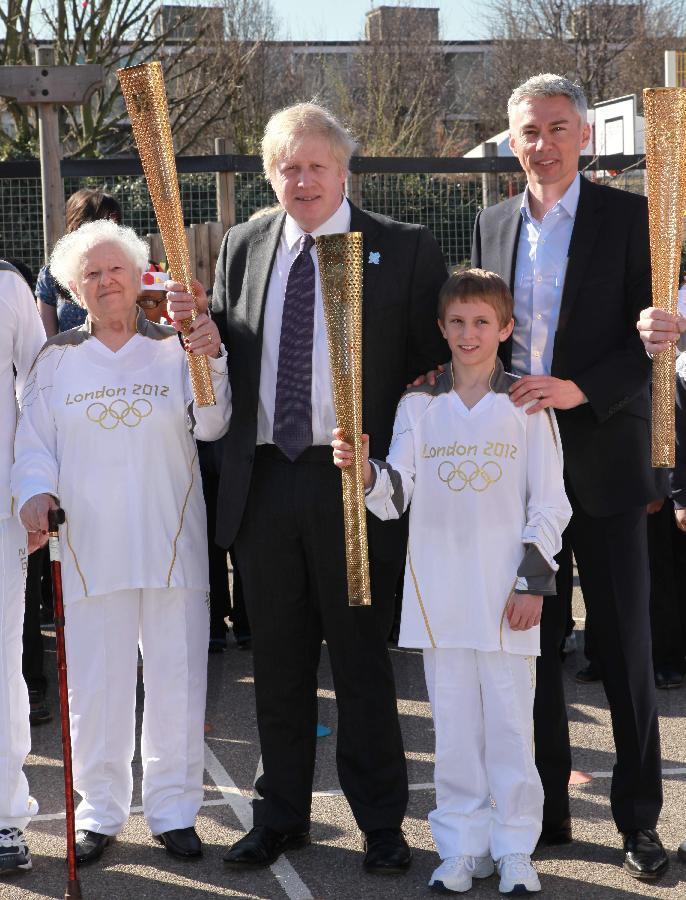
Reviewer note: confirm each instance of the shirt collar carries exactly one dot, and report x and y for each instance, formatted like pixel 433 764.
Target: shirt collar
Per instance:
pixel 568 201
pixel 337 224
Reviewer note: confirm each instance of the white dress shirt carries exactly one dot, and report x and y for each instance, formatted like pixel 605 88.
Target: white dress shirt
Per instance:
pixel 323 410
pixel 539 279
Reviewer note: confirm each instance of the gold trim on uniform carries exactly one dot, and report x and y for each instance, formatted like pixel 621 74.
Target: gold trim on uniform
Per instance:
pixel 183 513
pixel 76 561
pixel 502 617
pixel 419 598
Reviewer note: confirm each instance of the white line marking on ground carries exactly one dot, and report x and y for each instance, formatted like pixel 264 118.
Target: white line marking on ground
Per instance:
pixel 333 792
pixel 54 817
pixel 258 771
pixel 664 772
pixel 293 886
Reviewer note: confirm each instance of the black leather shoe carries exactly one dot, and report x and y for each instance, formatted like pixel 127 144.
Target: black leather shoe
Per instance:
pixel 644 855
pixel 554 834
pixel 588 675
pixel 89 846
pixel 667 678
pixel 183 843
pixel 386 852
pixel 681 852
pixel 262 846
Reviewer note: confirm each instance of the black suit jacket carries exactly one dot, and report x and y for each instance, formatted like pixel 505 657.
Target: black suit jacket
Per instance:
pixel 400 340
pixel 605 441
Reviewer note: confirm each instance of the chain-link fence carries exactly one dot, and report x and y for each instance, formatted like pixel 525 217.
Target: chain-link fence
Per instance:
pixel 446 203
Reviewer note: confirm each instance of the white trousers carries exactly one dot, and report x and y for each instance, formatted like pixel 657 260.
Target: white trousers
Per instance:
pixel 16 806
pixel 102 637
pixel 489 797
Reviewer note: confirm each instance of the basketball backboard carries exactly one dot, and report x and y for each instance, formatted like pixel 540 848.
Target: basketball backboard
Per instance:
pixel 615 127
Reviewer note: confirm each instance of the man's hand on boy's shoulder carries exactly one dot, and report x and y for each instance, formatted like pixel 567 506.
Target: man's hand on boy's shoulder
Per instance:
pixel 429 378
pixel 558 393
pixel 524 611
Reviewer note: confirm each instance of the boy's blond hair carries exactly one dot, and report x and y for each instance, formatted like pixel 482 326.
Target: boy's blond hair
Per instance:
pixel 477 284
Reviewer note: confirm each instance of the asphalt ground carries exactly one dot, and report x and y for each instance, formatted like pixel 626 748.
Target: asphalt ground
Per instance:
pixel 136 866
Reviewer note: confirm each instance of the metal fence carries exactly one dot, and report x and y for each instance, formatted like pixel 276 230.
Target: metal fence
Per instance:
pixel 432 192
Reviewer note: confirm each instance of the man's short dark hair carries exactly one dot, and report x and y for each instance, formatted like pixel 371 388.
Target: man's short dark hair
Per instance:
pixel 477 284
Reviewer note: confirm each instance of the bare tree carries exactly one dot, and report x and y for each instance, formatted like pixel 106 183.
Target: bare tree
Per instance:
pixel 610 47
pixel 393 91
pixel 189 40
pixel 16 49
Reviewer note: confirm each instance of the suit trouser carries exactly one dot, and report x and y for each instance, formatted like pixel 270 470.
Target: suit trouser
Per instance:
pixel 291 555
pixel 102 635
pixel 16 806
pixel 32 640
pixel 482 707
pixel 552 748
pixel 611 553
pixel 667 612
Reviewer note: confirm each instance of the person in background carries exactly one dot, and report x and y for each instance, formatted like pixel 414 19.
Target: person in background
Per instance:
pixel 57 308
pixel 152 296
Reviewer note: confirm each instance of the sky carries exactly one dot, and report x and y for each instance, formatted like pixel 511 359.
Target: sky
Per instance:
pixel 343 20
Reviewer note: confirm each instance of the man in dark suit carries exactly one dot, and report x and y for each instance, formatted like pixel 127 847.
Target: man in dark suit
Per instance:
pixel 576 255
pixel 280 494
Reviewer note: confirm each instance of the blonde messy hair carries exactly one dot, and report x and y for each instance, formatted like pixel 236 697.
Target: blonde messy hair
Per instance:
pixel 289 125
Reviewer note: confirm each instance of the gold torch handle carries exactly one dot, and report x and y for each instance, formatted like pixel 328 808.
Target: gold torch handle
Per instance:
pixel 665 137
pixel 146 103
pixel 340 268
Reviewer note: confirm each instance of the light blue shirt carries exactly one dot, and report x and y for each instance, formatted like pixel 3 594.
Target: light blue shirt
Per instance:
pixel 539 278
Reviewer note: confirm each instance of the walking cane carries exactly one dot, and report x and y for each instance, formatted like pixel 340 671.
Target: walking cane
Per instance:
pixel 55 519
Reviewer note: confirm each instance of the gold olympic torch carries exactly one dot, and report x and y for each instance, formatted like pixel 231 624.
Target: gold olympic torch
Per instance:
pixel 665 137
pixel 340 269
pixel 146 102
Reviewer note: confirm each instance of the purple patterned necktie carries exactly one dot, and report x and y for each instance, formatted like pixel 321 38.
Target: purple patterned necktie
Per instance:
pixel 293 402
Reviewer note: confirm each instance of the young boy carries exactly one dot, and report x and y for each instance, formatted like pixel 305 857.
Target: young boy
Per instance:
pixel 152 297
pixel 488 510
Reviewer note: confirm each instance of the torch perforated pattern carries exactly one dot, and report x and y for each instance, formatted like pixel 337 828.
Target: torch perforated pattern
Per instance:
pixel 665 137
pixel 340 269
pixel 146 103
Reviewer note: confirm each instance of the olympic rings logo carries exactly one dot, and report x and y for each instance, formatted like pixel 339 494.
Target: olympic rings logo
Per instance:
pixel 469 473
pixel 129 414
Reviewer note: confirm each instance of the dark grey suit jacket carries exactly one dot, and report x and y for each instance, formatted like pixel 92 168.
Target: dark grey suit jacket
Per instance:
pixel 606 441
pixel 400 340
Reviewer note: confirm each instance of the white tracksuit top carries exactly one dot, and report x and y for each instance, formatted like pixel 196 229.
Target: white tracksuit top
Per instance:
pixel 21 337
pixel 112 435
pixel 484 483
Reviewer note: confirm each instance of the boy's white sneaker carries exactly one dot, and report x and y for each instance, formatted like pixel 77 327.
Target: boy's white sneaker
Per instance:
pixel 517 875
pixel 456 872
pixel 14 852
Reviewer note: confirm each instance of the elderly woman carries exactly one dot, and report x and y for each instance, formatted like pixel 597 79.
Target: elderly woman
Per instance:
pixel 99 399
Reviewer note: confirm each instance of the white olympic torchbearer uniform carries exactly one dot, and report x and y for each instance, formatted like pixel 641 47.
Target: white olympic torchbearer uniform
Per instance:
pixel 21 337
pixel 487 514
pixel 112 435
